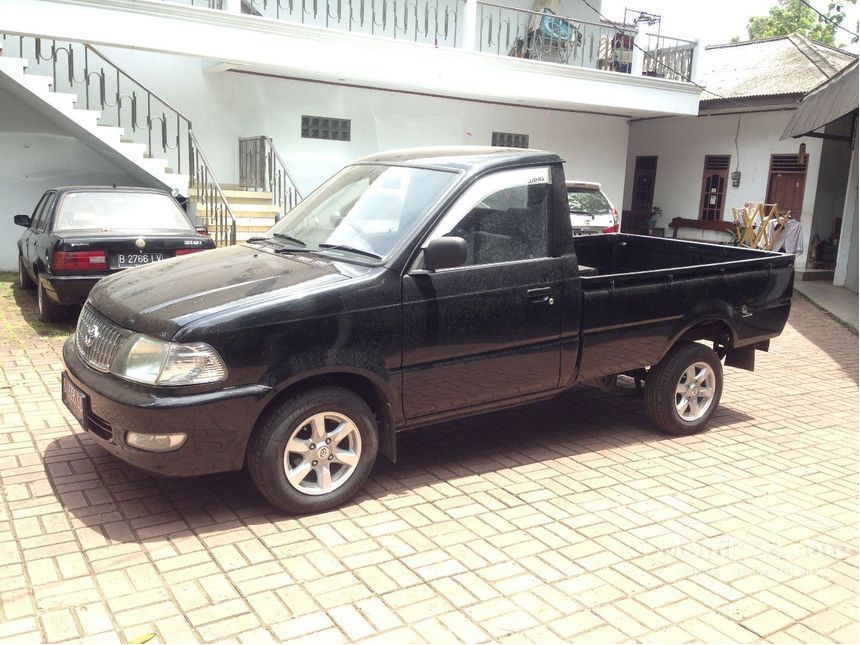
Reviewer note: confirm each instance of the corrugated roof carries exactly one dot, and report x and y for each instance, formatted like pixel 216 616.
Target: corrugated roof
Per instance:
pixel 775 66
pixel 829 101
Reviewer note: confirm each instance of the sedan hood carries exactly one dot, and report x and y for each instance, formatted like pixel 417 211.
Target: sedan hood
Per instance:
pixel 161 298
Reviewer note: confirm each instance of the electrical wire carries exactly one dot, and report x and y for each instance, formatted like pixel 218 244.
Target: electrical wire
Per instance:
pixel 830 20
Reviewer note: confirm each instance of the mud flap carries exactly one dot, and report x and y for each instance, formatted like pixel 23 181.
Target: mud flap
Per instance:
pixel 744 357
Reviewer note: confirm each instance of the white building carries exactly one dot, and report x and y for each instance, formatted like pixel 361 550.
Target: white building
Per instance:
pixel 354 78
pixel 686 166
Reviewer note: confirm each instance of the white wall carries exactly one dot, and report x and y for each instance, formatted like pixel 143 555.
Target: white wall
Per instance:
pixel 35 155
pixel 226 106
pixel 681 144
pixel 846 261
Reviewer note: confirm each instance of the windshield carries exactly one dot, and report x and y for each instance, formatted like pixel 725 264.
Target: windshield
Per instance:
pixel 363 211
pixel 119 211
pixel 587 200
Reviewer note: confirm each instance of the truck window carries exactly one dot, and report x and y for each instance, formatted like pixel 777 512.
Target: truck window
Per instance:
pixel 502 217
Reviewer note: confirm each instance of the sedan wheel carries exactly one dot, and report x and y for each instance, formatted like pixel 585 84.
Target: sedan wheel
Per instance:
pixel 314 451
pixel 24 279
pixel 49 311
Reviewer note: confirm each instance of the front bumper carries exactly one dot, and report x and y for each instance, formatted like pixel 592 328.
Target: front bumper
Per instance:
pixel 218 424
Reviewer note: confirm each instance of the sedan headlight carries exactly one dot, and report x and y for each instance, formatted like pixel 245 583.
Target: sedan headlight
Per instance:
pixel 157 362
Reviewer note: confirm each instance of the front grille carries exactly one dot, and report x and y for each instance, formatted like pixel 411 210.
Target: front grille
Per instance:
pixel 98 340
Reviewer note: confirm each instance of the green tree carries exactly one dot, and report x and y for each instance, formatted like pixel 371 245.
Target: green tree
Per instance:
pixel 791 16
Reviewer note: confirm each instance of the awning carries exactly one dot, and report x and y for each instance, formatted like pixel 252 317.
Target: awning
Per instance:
pixel 831 100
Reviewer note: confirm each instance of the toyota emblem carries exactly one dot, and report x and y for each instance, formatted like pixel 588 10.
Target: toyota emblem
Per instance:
pixel 90 335
pixel 139 243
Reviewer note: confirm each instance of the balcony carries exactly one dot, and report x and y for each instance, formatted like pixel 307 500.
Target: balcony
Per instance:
pixel 466 49
pixel 489 28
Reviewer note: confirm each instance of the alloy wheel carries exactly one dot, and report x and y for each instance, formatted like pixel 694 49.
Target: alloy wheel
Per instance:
pixel 322 453
pixel 695 391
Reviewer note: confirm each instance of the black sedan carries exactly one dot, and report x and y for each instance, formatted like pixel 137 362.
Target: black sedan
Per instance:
pixel 78 235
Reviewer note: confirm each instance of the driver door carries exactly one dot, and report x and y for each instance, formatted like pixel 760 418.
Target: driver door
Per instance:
pixel 490 330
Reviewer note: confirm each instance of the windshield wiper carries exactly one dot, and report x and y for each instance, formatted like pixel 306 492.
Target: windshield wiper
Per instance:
pixel 289 238
pixel 350 249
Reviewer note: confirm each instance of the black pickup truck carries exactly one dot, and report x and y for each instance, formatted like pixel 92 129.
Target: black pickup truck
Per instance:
pixel 411 287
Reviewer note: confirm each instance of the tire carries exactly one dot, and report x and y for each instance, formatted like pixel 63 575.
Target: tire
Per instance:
pixel 24 280
pixel 683 390
pixel 49 311
pixel 303 420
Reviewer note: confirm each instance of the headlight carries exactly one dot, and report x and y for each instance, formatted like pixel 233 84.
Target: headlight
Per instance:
pixel 156 362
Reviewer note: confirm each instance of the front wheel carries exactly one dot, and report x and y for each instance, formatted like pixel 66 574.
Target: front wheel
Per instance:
pixel 683 390
pixel 24 279
pixel 315 451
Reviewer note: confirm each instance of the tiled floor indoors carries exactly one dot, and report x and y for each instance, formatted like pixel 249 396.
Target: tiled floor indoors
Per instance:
pixel 566 521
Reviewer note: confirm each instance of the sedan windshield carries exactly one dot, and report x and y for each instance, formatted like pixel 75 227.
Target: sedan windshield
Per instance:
pixel 364 211
pixel 587 200
pixel 116 211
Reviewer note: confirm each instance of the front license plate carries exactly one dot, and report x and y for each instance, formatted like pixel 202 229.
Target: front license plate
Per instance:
pixel 75 399
pixel 129 260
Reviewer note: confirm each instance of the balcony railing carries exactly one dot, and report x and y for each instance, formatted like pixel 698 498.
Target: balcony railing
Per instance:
pixel 434 22
pixel 547 37
pixel 490 28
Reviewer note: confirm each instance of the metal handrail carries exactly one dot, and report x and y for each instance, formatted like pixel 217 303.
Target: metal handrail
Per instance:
pixel 262 167
pixel 219 212
pixel 127 103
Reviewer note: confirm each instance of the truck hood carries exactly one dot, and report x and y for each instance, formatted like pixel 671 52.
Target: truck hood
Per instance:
pixel 161 298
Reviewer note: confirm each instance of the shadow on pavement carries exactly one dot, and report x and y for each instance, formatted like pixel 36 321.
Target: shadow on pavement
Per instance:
pixel 563 434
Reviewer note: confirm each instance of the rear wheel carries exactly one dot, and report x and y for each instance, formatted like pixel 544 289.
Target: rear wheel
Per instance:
pixel 683 390
pixel 24 279
pixel 49 311
pixel 315 451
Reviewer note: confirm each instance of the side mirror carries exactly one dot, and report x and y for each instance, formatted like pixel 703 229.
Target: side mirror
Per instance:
pixel 22 220
pixel 445 253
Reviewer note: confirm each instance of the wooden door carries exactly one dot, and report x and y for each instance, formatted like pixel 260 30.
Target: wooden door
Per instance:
pixel 644 177
pixel 786 183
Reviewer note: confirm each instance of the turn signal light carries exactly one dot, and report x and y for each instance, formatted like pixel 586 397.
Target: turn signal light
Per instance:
pixel 79 261
pixel 186 251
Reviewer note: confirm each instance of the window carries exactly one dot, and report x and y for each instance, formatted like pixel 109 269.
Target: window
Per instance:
pixel 510 140
pixel 120 211
pixel 40 223
pixel 367 208
pixel 644 177
pixel 503 217
pixel 323 127
pixel 714 181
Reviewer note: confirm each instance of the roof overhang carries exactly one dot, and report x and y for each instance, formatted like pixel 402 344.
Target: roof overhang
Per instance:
pixel 825 104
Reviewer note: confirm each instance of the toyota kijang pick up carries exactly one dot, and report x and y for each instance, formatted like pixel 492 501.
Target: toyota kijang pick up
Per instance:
pixel 412 287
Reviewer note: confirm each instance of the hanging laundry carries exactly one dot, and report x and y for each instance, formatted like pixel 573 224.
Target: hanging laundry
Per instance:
pixel 789 239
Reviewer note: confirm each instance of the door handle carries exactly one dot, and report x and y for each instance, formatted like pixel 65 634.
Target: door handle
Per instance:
pixel 540 294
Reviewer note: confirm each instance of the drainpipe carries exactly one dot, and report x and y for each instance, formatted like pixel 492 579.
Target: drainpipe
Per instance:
pixel 637 65
pixel 470 25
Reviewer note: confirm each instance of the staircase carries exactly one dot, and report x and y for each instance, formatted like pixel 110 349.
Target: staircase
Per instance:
pixel 79 89
pixel 254 211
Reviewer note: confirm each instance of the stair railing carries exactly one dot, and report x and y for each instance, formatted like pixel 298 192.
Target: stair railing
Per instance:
pixel 124 102
pixel 216 209
pixel 262 168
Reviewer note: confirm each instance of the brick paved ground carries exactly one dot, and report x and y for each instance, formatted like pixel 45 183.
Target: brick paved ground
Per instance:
pixel 569 520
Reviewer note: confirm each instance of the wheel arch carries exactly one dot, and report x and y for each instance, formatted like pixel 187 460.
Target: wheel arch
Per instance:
pixel 717 329
pixel 367 386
